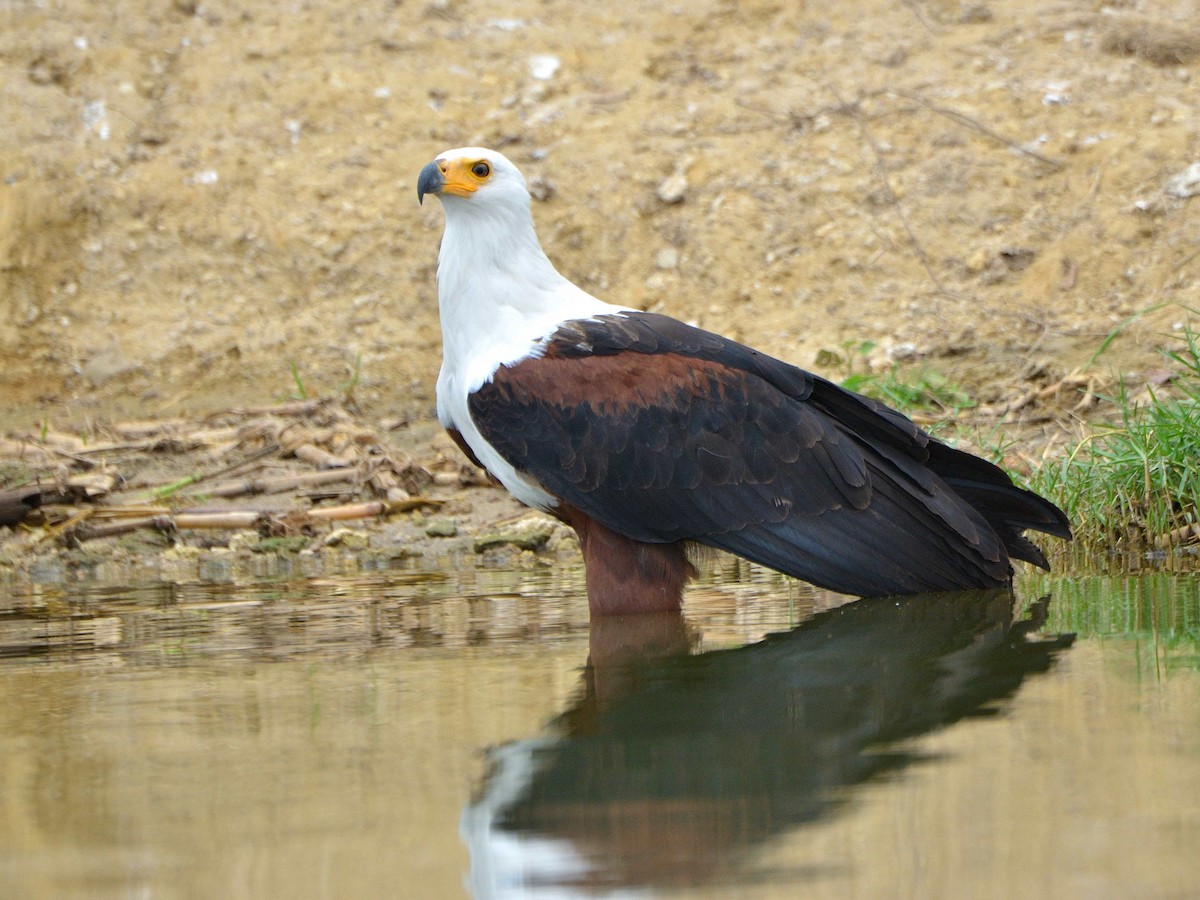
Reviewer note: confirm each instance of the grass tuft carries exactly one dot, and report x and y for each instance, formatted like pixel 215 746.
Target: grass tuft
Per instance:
pixel 925 389
pixel 1135 485
pixel 301 391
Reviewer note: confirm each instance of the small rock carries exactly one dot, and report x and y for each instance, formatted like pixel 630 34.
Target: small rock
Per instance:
pixel 347 538
pixel 183 551
pixel 106 364
pixel 544 66
pixel 243 540
pixel 540 188
pixel 292 543
pixel 1017 259
pixel 530 533
pixel 442 528
pixel 668 258
pixel 1186 183
pixel 673 189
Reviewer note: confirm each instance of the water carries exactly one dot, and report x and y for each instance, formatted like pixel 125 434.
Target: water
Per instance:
pixel 407 734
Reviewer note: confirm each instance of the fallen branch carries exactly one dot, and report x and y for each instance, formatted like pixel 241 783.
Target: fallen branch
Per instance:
pixel 240 487
pixel 101 522
pixel 281 483
pixel 17 503
pixel 27 452
pixel 1178 537
pixel 315 456
pixel 143 431
pixel 1074 380
pixel 294 408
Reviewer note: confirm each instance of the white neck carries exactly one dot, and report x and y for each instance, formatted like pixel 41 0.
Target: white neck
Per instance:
pixel 498 293
pixel 499 298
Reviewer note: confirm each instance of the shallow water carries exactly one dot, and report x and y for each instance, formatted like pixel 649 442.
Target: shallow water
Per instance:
pixel 407 734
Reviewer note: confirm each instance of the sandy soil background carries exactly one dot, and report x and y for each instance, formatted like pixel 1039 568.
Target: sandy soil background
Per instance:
pixel 205 203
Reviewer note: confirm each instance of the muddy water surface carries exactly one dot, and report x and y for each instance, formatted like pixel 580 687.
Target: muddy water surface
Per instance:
pixel 410 734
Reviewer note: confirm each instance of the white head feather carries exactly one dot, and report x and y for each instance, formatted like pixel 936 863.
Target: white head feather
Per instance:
pixel 499 296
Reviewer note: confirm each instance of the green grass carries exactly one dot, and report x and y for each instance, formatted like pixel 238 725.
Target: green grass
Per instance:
pixel 1134 485
pixel 350 385
pixel 924 389
pixel 1130 486
pixel 345 390
pixel 301 392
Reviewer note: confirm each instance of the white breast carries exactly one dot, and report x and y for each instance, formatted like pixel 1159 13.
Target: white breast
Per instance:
pixel 498 335
pixel 499 299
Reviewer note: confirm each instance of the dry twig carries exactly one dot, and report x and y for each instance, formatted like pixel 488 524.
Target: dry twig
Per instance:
pixel 963 119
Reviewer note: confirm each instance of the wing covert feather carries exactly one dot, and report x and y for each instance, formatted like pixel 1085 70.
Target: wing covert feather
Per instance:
pixel 664 432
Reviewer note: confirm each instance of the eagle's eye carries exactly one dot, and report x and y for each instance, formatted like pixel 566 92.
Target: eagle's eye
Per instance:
pixel 481 170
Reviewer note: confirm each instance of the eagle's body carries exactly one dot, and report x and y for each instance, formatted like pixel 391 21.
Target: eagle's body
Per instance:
pixel 646 434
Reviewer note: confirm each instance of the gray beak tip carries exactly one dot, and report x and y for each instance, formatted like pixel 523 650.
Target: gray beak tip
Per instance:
pixel 430 181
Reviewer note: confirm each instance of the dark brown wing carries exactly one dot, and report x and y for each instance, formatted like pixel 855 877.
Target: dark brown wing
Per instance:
pixel 664 432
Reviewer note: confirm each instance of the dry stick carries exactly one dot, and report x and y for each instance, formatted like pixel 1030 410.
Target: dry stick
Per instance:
pixel 127 447
pixel 61 439
pixel 210 518
pixel 94 484
pixel 73 448
pixel 251 461
pixel 1089 398
pixel 75 531
pixel 1011 406
pixel 226 519
pixel 364 510
pixel 50 444
pixel 1178 536
pixel 368 509
pixel 1074 379
pixel 25 450
pixel 975 124
pixel 294 408
pixel 315 456
pixel 143 430
pixel 76 457
pixel 71 524
pixel 385 482
pixel 209 436
pixel 129 512
pixel 161 520
pixel 282 483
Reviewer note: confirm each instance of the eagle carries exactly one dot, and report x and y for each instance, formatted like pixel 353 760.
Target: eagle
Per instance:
pixel 649 436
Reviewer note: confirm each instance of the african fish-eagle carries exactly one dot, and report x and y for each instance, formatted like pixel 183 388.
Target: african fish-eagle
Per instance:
pixel 647 435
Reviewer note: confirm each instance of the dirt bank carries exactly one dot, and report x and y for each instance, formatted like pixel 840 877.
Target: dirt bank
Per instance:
pixel 212 204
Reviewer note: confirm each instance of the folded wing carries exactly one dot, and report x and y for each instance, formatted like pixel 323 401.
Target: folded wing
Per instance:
pixel 664 432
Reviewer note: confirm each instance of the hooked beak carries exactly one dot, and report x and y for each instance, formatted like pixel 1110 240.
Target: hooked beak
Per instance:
pixel 430 181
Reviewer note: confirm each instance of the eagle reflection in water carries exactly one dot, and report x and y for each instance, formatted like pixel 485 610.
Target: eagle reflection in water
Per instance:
pixel 669 768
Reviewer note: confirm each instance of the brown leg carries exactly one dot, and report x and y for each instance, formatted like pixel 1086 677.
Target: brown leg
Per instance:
pixel 626 576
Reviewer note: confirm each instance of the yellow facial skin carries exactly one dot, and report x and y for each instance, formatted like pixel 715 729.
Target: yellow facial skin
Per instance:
pixel 462 177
